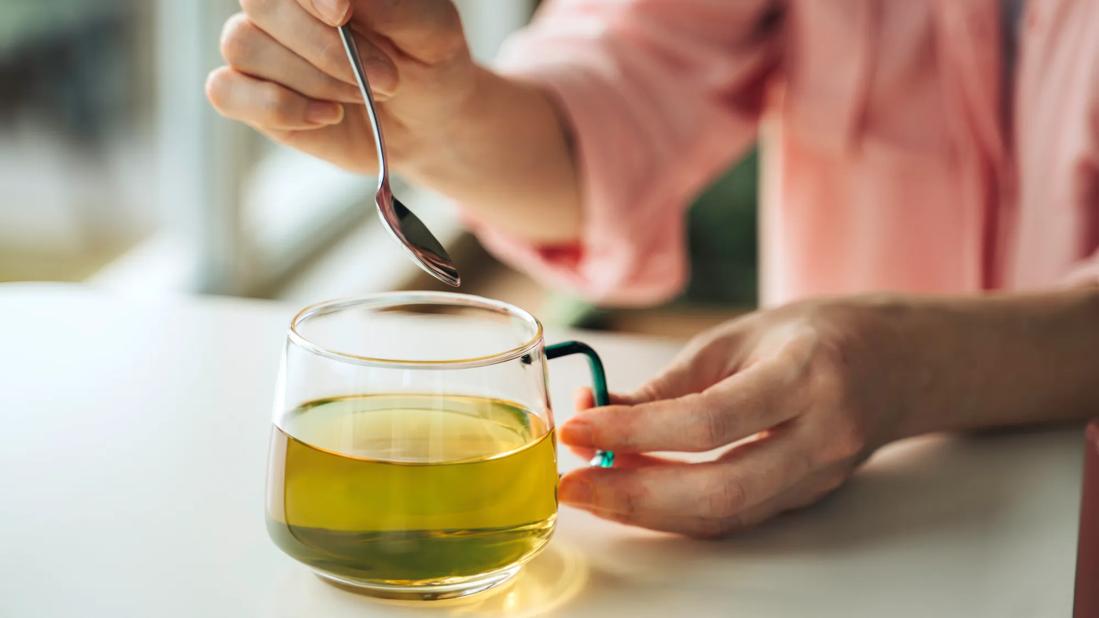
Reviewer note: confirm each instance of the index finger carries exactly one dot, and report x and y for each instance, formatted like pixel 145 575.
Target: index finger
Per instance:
pixel 682 497
pixel 740 406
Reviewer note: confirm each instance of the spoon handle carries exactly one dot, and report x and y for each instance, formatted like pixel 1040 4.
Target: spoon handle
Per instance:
pixel 352 49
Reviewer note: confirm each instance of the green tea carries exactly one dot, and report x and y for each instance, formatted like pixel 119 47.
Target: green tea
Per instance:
pixel 412 489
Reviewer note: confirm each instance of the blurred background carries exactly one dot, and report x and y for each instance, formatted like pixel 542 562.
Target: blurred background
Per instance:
pixel 115 171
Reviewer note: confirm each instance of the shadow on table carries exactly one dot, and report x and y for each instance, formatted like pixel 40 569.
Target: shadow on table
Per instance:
pixel 954 484
pixel 931 497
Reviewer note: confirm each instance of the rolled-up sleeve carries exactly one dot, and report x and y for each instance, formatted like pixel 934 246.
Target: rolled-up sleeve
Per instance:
pixel 659 97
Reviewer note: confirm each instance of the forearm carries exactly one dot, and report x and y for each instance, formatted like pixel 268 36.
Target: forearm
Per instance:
pixel 1001 360
pixel 508 159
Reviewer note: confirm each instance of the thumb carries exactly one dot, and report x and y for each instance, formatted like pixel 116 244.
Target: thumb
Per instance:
pixel 331 12
pixel 427 30
pixel 584 399
pixel 702 363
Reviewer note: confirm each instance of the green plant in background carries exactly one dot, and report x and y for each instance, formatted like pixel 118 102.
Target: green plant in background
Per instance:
pixel 724 245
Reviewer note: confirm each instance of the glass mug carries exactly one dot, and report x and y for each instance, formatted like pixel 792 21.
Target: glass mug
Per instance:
pixel 413 452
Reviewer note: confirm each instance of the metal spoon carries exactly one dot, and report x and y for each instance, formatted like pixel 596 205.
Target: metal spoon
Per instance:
pixel 413 235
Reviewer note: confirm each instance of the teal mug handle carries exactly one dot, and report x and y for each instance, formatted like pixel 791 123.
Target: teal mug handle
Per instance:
pixel 602 459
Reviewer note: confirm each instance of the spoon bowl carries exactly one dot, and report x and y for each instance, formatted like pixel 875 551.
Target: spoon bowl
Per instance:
pixel 417 240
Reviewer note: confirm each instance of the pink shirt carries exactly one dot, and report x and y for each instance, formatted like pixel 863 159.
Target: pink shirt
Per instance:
pixel 890 161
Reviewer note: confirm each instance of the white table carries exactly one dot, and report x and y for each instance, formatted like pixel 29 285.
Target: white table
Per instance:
pixel 132 479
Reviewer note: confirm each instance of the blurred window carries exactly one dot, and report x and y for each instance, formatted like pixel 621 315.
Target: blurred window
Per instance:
pixel 114 168
pixel 75 147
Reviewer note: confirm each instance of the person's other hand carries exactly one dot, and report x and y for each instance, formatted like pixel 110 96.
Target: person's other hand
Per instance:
pixel 289 77
pixel 796 398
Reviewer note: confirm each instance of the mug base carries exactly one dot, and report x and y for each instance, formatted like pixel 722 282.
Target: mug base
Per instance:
pixel 426 592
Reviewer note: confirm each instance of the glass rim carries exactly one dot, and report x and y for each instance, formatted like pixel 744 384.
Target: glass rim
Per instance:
pixel 381 300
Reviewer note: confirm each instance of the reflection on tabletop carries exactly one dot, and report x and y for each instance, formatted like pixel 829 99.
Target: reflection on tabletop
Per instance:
pixel 546 584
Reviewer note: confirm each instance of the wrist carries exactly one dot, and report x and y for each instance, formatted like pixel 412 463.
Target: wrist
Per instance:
pixel 506 139
pixel 919 348
pixel 444 149
pixel 936 385
pixel 995 360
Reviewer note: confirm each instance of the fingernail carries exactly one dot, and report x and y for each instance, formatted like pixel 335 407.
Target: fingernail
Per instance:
pixel 334 11
pixel 575 491
pixel 577 432
pixel 381 73
pixel 323 113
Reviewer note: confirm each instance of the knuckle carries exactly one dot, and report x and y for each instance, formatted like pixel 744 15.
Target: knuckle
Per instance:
pixel 652 390
pixel 274 104
pixel 727 498
pixel 452 39
pixel 827 380
pixel 711 346
pixel 712 427
pixel 238 39
pixel 803 463
pixel 627 499
pixel 845 442
pixel 448 38
pixel 617 430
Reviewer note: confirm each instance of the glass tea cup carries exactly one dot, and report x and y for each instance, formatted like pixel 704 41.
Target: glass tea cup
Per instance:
pixel 413 452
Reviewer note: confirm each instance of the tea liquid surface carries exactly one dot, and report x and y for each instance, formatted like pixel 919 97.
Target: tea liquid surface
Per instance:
pixel 412 489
